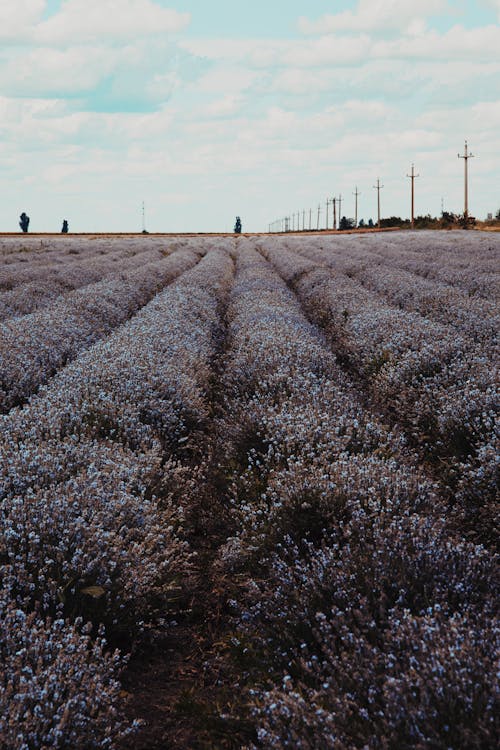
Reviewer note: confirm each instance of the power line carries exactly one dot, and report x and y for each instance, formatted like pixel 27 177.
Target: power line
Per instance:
pixel 378 187
pixel 466 156
pixel 413 177
pixel 356 193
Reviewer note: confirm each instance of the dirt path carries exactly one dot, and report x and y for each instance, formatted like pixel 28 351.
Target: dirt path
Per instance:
pixel 179 686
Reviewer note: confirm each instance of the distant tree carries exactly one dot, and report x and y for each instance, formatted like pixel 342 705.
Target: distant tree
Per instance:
pixel 448 218
pixel 237 226
pixel 466 221
pixel 370 223
pixel 346 223
pixel 497 215
pixel 393 221
pixel 24 222
pixel 426 222
pixel 65 227
pixel 361 223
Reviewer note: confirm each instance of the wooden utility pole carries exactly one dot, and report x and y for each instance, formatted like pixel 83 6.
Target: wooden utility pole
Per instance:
pixel 334 201
pixel 327 204
pixel 378 187
pixel 319 212
pixel 340 199
pixel 143 218
pixel 310 219
pixel 466 156
pixel 303 219
pixel 356 193
pixel 412 177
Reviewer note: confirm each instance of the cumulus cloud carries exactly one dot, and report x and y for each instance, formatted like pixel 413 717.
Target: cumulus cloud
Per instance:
pixel 18 17
pixel 456 43
pixel 376 15
pixel 88 20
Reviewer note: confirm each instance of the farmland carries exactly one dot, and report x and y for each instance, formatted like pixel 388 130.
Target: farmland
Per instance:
pixel 249 492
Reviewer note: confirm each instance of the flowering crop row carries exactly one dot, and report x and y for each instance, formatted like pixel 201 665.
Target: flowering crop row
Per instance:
pixel 88 528
pixel 435 383
pixel 34 347
pixel 362 622
pixel 271 413
pixel 470 315
pixel 33 287
pixel 34 259
pixel 469 262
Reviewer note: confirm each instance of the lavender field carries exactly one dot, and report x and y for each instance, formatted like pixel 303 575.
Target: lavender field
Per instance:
pixel 249 492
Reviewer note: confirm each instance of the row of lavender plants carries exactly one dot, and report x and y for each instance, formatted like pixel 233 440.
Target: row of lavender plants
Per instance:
pixel 34 259
pixel 92 542
pixel 472 316
pixel 33 347
pixel 469 262
pixel 30 286
pixel 433 382
pixel 361 621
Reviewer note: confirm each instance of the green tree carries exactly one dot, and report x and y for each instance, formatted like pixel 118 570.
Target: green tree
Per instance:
pixel 346 223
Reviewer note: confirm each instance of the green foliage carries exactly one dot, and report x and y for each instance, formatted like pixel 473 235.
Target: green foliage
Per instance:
pixel 346 223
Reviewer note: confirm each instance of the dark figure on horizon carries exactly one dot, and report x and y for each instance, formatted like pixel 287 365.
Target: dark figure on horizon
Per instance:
pixel 24 222
pixel 65 227
pixel 237 226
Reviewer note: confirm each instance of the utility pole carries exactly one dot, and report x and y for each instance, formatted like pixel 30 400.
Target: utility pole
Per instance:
pixel 310 219
pixel 412 177
pixel 319 212
pixel 303 219
pixel 356 193
pixel 340 207
pixel 143 218
pixel 327 204
pixel 334 201
pixel 466 156
pixel 378 187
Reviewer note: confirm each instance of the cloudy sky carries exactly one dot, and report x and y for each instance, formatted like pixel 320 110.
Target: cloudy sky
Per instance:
pixel 206 109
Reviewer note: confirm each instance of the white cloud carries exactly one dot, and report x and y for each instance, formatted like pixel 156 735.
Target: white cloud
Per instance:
pixel 456 43
pixel 49 71
pixel 227 106
pixel 18 17
pixel 87 20
pixel 227 79
pixel 376 15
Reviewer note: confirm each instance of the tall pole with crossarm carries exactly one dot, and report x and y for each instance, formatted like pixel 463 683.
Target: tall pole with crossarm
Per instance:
pixel 466 156
pixel 356 193
pixel 378 187
pixel 412 177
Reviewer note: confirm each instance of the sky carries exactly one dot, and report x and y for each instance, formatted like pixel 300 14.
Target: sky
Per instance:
pixel 209 109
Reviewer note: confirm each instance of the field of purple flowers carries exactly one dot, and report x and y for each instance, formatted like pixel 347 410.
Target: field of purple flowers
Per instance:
pixel 275 458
